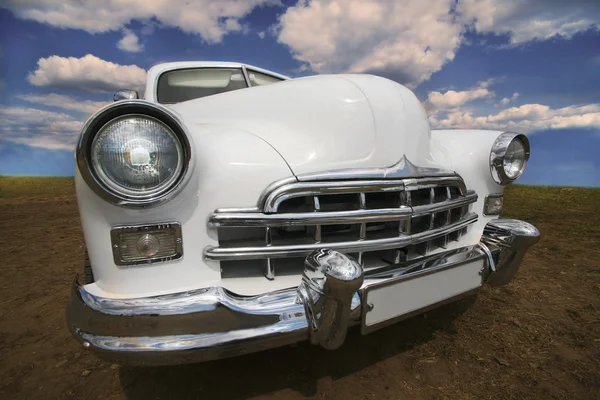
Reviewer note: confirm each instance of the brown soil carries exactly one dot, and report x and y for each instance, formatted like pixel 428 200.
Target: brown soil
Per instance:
pixel 538 337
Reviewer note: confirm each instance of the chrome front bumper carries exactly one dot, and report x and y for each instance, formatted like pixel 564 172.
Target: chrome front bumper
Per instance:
pixel 214 323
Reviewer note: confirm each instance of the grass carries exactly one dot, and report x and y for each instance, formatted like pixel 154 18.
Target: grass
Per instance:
pixel 569 212
pixel 35 186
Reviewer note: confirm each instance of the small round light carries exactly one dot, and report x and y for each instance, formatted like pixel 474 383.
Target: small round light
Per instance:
pixel 508 157
pixel 514 159
pixel 148 245
pixel 137 156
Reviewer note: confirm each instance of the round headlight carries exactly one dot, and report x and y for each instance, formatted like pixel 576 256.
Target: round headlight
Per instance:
pixel 137 156
pixel 514 160
pixel 508 157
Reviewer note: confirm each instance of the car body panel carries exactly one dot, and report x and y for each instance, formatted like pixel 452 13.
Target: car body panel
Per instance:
pixel 347 121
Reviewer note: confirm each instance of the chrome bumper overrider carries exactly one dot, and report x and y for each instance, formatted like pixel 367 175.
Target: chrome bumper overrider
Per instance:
pixel 213 323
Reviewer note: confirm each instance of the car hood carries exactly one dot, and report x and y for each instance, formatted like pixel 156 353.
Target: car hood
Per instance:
pixel 325 123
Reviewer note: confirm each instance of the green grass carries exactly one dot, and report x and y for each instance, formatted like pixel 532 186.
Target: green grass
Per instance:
pixel 571 213
pixel 35 186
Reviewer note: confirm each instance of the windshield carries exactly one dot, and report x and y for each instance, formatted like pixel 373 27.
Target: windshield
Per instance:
pixel 186 84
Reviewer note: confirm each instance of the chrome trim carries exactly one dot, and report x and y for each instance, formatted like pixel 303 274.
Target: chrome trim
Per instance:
pixel 402 169
pixel 246 76
pixel 250 253
pixel 210 323
pixel 300 189
pixel 125 94
pixel 498 152
pixel 283 192
pixel 114 237
pixel 489 255
pixel 119 109
pixel 225 219
pixel 329 283
pixel 246 219
pixel 469 198
pixel 508 241
pixel 213 323
pixel 270 272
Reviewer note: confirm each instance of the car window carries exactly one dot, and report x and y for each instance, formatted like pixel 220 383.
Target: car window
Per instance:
pixel 186 84
pixel 260 79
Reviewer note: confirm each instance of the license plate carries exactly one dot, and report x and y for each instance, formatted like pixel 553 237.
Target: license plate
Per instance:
pixel 391 301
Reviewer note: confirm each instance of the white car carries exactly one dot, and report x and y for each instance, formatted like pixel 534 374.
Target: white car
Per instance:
pixel 235 209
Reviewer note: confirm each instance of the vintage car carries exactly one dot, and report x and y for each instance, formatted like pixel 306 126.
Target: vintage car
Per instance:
pixel 235 210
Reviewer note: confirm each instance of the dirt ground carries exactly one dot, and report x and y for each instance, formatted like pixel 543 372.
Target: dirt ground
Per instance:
pixel 538 337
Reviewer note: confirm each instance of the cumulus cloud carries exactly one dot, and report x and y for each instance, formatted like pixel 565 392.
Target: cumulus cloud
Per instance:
pixel 451 99
pixel 209 19
pixel 528 20
pixel 406 41
pixel 88 73
pixel 525 118
pixel 64 102
pixel 410 40
pixel 507 100
pixel 129 42
pixel 39 128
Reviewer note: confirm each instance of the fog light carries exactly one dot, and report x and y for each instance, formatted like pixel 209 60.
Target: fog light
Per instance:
pixel 146 243
pixel 493 204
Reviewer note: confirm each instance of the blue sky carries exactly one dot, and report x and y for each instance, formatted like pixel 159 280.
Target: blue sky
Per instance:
pixel 528 66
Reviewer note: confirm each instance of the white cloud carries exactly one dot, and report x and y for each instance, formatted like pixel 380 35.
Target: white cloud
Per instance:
pixel 451 99
pixel 525 118
pixel 39 128
pixel 529 20
pixel 411 39
pixel 208 19
pixel 88 73
pixel 507 100
pixel 65 102
pixel 406 41
pixel 262 34
pixel 129 42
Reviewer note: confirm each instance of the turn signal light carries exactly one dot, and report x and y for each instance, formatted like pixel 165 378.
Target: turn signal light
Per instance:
pixel 493 204
pixel 139 244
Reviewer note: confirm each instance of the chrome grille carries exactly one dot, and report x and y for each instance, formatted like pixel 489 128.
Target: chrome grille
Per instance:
pixel 385 220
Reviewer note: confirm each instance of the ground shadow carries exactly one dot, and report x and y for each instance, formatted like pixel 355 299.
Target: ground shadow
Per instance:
pixel 295 367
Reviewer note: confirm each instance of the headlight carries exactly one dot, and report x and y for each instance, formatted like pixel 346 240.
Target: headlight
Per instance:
pixel 137 156
pixel 508 157
pixel 134 153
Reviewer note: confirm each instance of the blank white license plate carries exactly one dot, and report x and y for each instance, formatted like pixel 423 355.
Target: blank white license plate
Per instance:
pixel 392 301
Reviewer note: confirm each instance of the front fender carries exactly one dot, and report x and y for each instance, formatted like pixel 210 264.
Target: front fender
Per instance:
pixel 467 152
pixel 232 169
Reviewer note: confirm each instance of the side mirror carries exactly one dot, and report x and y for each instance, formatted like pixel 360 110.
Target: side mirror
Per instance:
pixel 125 94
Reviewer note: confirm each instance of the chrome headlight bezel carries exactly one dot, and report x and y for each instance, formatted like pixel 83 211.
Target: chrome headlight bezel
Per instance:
pixel 498 153
pixel 124 109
